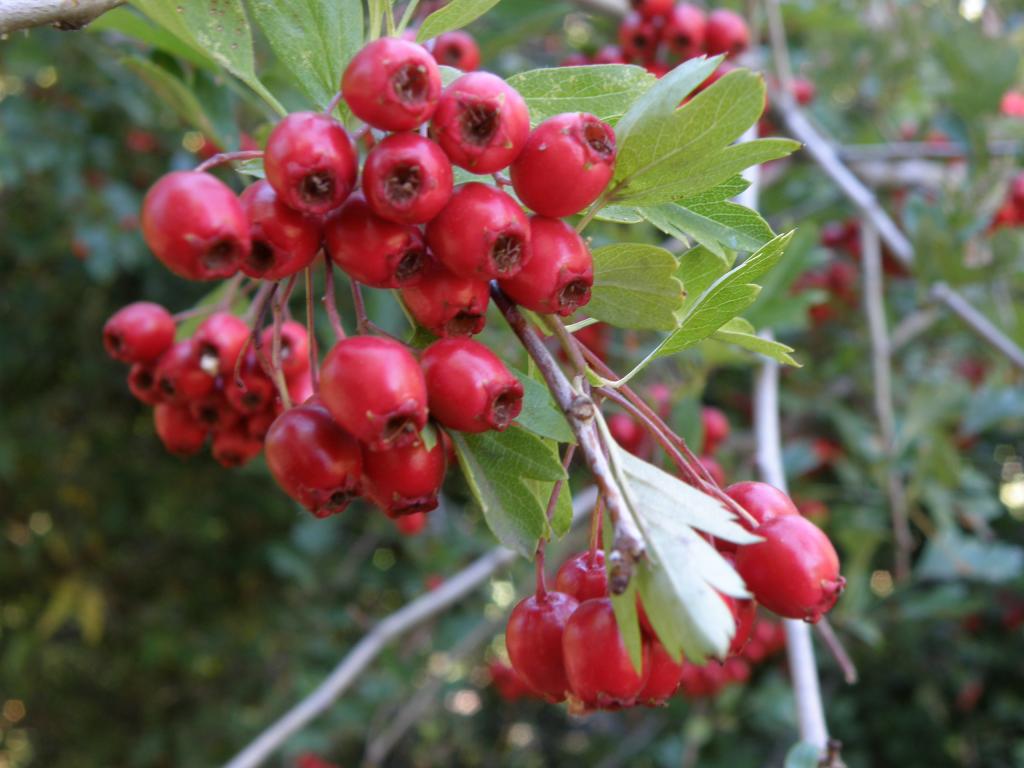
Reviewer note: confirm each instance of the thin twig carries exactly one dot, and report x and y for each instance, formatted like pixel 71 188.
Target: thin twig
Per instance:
pixel 835 647
pixel 228 157
pixel 25 14
pixel 275 347
pixel 330 301
pixel 978 323
pixel 314 353
pixel 919 150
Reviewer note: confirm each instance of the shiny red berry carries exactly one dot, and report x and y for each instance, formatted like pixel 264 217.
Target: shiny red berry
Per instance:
pixel 638 38
pixel 457 49
pixel 481 123
pixel 481 233
pixel 534 640
pixel 179 375
pixel 392 84
pixel 407 179
pixel 314 460
pixel 716 428
pixel 663 677
pixel 726 32
pixel 630 434
pixel 195 225
pixel 764 502
pixel 794 572
pixel 446 304
pixel 374 389
pixel 180 433
pixel 214 410
pixel 234 446
pixel 372 250
pixel 253 391
pixel 583 577
pixel 284 240
pixel 142 383
pixel 597 664
pixel 406 480
pixel 411 525
pixel 294 348
pixel 683 33
pixel 469 388
pixel 566 164
pixel 559 274
pixel 219 340
pixel 310 162
pixel 652 9
pixel 138 333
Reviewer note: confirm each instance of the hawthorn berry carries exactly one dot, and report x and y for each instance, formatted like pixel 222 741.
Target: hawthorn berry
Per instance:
pixel 234 446
pixel 663 677
pixel 374 389
pixel 220 339
pixel 179 375
pixel 180 433
pixel 509 684
pixel 481 123
pixel 715 425
pixel 407 179
pixel 726 32
pixel 406 480
pixel 652 9
pixel 764 502
pixel 310 162
pixel 294 348
pixel 445 303
pixel 315 461
pixel 638 38
pixel 744 612
pixel 195 225
pixel 683 33
pixel 803 90
pixel 558 276
pixel 534 640
pixel 457 49
pixel 138 333
pixel 583 576
pixel 481 233
pixel 794 572
pixel 284 240
pixel 213 410
pixel 469 388
pixel 713 468
pixel 566 164
pixel 258 424
pixel 392 84
pixel 372 250
pixel 142 383
pixel 411 525
pixel 253 391
pixel 630 434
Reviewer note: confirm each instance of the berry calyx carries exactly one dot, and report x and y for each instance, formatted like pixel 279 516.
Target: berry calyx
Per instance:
pixel 406 480
pixel 559 274
pixel 684 31
pixel 663 677
pixel 726 32
pixel 469 388
pixel 194 224
pixel 310 162
pixel 374 389
pixel 583 577
pixel 565 165
pixel 219 340
pixel 138 333
pixel 764 502
pixel 392 84
pixel 180 433
pixel 407 179
pixel 534 640
pixel 142 383
pixel 179 375
pixel 446 304
pixel 283 239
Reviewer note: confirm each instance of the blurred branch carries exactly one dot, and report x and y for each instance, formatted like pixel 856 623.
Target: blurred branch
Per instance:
pixel 423 608
pixel 838 651
pixel 922 150
pixel 63 14
pixel 610 7
pixel 927 174
pixel 912 326
pixel 980 324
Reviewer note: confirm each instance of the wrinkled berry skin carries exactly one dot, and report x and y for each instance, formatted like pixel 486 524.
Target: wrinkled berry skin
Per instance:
pixel 638 38
pixel 794 572
pixel 195 226
pixel 392 84
pixel 314 460
pixel 219 340
pixel 310 162
pixel 294 348
pixel 404 481
pixel 481 233
pixel 566 164
pixel 407 179
pixel 138 333
pixel 726 32
pixel 684 31
pixel 583 578
pixel 374 389
pixel 597 664
pixel 468 386
pixel 446 304
pixel 558 277
pixel 372 250
pixel 284 240
pixel 534 640
pixel 663 677
pixel 457 49
pixel 764 502
pixel 178 375
pixel 481 123
pixel 180 433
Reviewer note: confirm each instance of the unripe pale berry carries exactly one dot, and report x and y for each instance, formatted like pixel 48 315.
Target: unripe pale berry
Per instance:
pixel 447 304
pixel 195 225
pixel 469 388
pixel 566 164
pixel 406 480
pixel 180 433
pixel 583 577
pixel 310 162
pixel 407 178
pixel 457 49
pixel 683 33
pixel 534 640
pixel 726 32
pixel 138 333
pixel 559 274
pixel 481 123
pixel 284 240
pixel 597 663
pixel 392 84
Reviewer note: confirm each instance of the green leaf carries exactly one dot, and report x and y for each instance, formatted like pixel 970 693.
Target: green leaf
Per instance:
pixel 727 190
pixel 698 269
pixel 173 92
pixel 741 333
pixel 803 755
pixel 603 90
pixel 540 415
pixel 712 225
pixel 314 39
pixel 496 465
pixel 619 214
pixel 659 102
pixel 951 555
pixel 635 286
pixel 449 74
pixel 454 15
pixel 628 621
pixel 129 23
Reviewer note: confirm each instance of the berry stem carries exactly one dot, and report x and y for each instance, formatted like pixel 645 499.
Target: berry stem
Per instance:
pixel 410 8
pixel 364 324
pixel 570 346
pixel 596 524
pixel 314 363
pixel 556 490
pixel 502 180
pixel 333 103
pixel 228 157
pixel 261 305
pixel 330 302
pixel 275 350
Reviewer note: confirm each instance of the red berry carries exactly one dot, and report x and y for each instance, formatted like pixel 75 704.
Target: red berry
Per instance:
pixel 736 670
pixel 595 338
pixel 716 428
pixel 683 33
pixel 713 468
pixel 310 162
pixel 294 348
pixel 406 480
pixel 258 424
pixel 457 49
pixel 234 446
pixel 803 91
pixel 372 250
pixel 534 639
pixel 638 38
pixel 143 384
pixel 1012 104
pixel 195 225
pixel 392 84
pixel 314 460
pixel 179 375
pixel 652 9
pixel 597 664
pixel 219 340
pixel 663 677
pixel 764 502
pixel 608 54
pixel 138 333
pixel 468 386
pixel 583 577
pixel 446 304
pixel 630 434
pixel 283 239
pixel 481 122
pixel 214 411
pixel 558 277
pixel 794 572
pixel 257 391
pixel 726 32
pixel 178 431
pixel 407 178
pixel 374 388
pixel 566 164
pixel 410 525
pixel 509 684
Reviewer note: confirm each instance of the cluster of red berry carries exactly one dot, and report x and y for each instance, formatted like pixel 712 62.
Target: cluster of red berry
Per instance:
pixel 1011 212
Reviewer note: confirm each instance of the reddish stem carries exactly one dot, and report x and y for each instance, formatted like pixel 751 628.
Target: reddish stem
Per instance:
pixel 333 103
pixel 228 157
pixel 329 299
pixel 260 306
pixel 596 524
pixel 556 490
pixel 314 363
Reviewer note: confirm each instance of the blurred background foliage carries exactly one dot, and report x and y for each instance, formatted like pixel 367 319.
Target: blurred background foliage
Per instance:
pixel 157 612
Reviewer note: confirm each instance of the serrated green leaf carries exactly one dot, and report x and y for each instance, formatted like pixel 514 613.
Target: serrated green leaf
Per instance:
pixel 628 621
pixel 619 214
pixel 455 15
pixel 603 90
pixel 741 333
pixel 713 225
pixel 635 286
pixel 173 92
pixel 448 76
pixel 129 23
pixel 540 415
pixel 727 190
pixel 659 103
pixel 698 269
